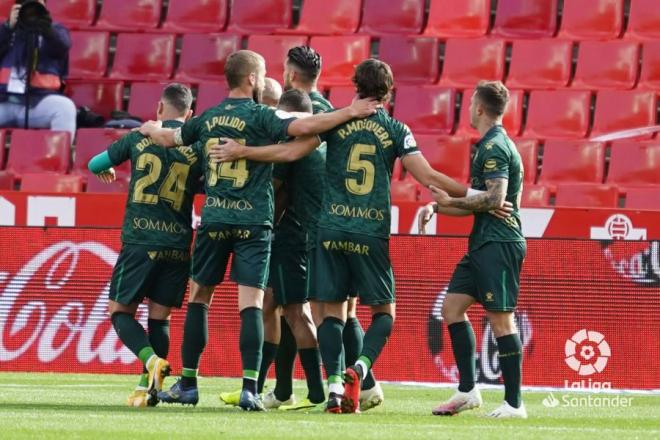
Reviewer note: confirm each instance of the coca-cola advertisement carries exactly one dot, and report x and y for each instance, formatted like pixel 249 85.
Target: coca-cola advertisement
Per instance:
pixel 588 311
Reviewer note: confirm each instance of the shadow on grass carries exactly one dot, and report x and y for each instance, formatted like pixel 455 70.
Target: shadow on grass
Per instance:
pixel 160 409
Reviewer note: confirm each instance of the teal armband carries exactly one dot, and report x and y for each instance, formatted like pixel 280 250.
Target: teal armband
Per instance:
pixel 99 163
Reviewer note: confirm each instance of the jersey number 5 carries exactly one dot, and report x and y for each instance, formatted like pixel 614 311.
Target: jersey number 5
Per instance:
pixel 235 171
pixel 358 164
pixel 173 187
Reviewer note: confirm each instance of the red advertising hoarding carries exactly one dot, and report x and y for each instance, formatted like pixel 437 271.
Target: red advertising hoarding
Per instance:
pixel 588 311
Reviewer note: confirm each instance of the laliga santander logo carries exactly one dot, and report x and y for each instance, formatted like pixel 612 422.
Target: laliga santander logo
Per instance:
pixel 54 334
pixel 587 352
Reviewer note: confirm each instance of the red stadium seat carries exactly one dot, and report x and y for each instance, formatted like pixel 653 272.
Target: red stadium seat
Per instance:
pixel 558 114
pixel 591 20
pixel 392 17
pixel 120 15
pixel 469 61
pixel 92 141
pixel 142 57
pixel 607 65
pixel 120 185
pixel 203 56
pixel 529 154
pixel 525 18
pixel 425 108
pixel 49 182
pixel 39 151
pixel 274 49
pixel 406 190
pixel 397 170
pixel 74 14
pixel 5 8
pixel 3 135
pixel 448 154
pixel 88 57
pixel 512 120
pixel 540 64
pixel 646 197
pixel 341 96
pixel 7 181
pixel 196 16
pixel 413 59
pixel 451 18
pixel 587 196
pixel 340 56
pixel 535 196
pixel 210 95
pixel 323 17
pixel 269 16
pixel 101 97
pixel 620 110
pixel 143 100
pixel 635 163
pixel 573 161
pixel 644 20
pixel 649 78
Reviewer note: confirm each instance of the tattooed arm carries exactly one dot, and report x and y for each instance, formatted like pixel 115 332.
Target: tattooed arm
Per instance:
pixel 493 198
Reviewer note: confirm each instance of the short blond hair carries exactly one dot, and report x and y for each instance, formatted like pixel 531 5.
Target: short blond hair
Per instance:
pixel 241 64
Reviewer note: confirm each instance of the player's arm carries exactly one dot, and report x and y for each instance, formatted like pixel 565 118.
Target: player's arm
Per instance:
pixel 422 171
pixel 101 166
pixel 171 137
pixel 426 213
pixel 322 122
pixel 493 198
pixel 229 150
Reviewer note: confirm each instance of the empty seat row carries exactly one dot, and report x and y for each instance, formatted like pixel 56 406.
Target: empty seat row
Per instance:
pixel 593 19
pixel 535 64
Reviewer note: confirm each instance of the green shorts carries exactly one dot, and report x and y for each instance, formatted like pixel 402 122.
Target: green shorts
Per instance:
pixel 288 266
pixel 154 272
pixel 345 263
pixel 491 274
pixel 250 246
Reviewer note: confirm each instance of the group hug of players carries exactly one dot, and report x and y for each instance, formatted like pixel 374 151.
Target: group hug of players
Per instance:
pixel 307 237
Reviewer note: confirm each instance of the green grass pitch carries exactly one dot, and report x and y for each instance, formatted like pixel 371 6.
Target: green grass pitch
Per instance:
pixel 71 406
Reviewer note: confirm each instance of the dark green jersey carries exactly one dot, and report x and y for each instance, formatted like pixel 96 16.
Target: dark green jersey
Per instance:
pixel 161 191
pixel 497 157
pixel 239 192
pixel 304 179
pixel 359 162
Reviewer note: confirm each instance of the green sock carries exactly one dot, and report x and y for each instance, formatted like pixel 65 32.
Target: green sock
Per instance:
pixel 269 351
pixel 377 334
pixel 132 334
pixel 251 339
pixel 330 345
pixel 195 335
pixel 463 343
pixel 286 356
pixel 144 381
pixel 510 356
pixel 159 336
pixel 310 358
pixel 352 338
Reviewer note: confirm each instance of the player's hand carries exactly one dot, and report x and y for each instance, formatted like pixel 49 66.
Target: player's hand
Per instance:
pixel 362 108
pixel 227 151
pixel 149 127
pixel 425 215
pixel 107 176
pixel 13 16
pixel 440 196
pixel 504 212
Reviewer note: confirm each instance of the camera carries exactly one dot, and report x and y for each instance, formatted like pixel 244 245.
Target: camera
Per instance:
pixel 33 16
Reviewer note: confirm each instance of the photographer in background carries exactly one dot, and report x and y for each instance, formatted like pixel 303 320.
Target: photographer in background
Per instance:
pixel 31 45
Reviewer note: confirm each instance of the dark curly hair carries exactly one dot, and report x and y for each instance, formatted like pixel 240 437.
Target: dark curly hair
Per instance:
pixel 373 79
pixel 306 61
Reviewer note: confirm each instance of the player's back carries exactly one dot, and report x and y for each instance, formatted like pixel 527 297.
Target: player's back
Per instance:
pixel 359 161
pixel 161 190
pixel 239 192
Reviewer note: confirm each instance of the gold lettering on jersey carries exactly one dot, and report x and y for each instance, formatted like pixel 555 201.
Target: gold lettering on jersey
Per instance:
pixel 236 205
pixel 189 154
pixel 357 212
pixel 225 121
pixel 346 246
pixel 144 143
pixel 149 224
pixel 241 234
pixel 169 255
pixel 366 125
